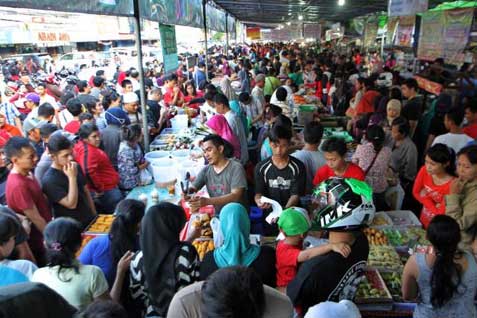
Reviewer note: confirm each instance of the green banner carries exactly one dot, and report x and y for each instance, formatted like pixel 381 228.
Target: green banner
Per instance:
pixel 177 12
pixel 169 47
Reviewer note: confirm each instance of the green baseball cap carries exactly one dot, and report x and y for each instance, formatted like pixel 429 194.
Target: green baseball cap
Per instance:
pixel 293 222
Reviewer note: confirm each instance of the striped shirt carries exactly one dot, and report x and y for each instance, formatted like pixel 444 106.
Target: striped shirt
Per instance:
pixel 10 111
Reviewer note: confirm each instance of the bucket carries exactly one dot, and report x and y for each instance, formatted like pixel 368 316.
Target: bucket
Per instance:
pixel 164 173
pixel 180 155
pixel 180 122
pixel 305 114
pixel 193 167
pixel 157 156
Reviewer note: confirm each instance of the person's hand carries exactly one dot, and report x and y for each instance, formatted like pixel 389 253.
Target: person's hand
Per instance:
pixel 193 232
pixel 143 166
pixel 197 202
pixel 457 186
pixel 70 169
pixel 261 205
pixel 26 223
pixel 176 90
pixel 341 248
pixel 124 262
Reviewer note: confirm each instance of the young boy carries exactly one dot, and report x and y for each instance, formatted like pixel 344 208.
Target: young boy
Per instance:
pixel 471 116
pixel 294 225
pixel 75 108
pixel 23 192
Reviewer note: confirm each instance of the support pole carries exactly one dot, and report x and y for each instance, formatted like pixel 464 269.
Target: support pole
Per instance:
pixel 142 91
pixel 204 14
pixel 226 34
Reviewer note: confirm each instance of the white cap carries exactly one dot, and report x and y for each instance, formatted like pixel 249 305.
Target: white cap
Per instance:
pixel 130 98
pixel 330 309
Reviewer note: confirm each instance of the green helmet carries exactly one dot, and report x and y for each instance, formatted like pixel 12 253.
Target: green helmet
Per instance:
pixel 346 204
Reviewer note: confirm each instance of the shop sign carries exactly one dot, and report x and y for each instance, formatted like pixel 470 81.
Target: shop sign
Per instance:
pixel 406 7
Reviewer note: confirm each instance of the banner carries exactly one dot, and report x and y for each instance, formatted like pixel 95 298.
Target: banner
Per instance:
pixel 391 30
pixel 215 18
pixel 405 31
pixel 312 31
pixel 406 7
pixel 178 12
pixel 169 47
pixel 370 33
pixel 103 7
pixel 431 37
pixel 254 33
pixel 456 36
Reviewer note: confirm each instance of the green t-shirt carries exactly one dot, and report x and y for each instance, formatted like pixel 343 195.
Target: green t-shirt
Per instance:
pixel 271 84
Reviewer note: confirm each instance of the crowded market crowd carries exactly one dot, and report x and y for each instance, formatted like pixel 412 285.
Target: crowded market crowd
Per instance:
pixel 73 148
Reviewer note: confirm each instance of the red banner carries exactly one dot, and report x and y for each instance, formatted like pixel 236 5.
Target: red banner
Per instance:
pixel 254 33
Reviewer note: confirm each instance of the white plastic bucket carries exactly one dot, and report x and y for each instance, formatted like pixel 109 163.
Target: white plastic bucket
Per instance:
pixel 181 155
pixel 180 122
pixel 157 156
pixel 164 172
pixel 193 167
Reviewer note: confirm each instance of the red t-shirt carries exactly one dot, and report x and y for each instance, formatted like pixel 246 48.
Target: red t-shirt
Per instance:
pixel 169 96
pixel 325 172
pixel 470 130
pixel 287 263
pixel 73 126
pixel 24 192
pixel 430 195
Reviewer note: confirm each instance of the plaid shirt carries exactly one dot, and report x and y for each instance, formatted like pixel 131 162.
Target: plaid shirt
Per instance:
pixel 10 111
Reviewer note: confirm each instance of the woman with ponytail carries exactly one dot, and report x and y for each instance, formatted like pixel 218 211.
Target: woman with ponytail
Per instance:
pixel 105 251
pixel 444 280
pixel 433 181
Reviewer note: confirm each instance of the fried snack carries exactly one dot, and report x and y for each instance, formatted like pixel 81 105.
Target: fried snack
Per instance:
pixel 203 247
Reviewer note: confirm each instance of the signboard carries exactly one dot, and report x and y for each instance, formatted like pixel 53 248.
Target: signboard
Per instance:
pixel 428 86
pixel 312 31
pixel 405 31
pixel 169 47
pixel 431 36
pixel 370 33
pixel 178 12
pixel 406 7
pixel 391 30
pixel 445 34
pixel 254 33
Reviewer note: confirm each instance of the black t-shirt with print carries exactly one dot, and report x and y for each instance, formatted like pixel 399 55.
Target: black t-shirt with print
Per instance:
pixel 329 277
pixel 280 184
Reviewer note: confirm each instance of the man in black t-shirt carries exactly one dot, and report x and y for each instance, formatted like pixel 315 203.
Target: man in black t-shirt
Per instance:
pixel 65 185
pixel 332 277
pixel 280 177
pixel 412 109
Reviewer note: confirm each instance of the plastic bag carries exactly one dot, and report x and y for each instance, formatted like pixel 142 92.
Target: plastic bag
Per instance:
pixel 145 177
pixel 217 232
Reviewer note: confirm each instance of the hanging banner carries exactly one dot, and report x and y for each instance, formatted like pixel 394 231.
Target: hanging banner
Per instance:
pixel 391 30
pixel 431 36
pixel 456 34
pixel 169 47
pixel 254 33
pixel 179 12
pixel 312 31
pixel 405 31
pixel 406 7
pixel 370 33
pixel 215 18
pixel 103 7
pixel 473 32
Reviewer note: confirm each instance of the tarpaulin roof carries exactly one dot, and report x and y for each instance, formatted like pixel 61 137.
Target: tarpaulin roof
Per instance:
pixel 455 5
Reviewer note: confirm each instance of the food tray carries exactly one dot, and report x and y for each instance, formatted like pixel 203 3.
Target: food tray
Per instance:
pixel 372 289
pixel 100 224
pixel 381 221
pixel 392 279
pixel 404 218
pixel 384 257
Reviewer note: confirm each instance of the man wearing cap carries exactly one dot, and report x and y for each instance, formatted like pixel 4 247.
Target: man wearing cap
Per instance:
pixel 131 107
pixel 32 101
pixel 31 127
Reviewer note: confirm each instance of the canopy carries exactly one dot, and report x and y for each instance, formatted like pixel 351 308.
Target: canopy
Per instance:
pixel 455 5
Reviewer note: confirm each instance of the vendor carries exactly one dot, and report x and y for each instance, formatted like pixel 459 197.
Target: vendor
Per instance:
pixel 224 178
pixel 331 276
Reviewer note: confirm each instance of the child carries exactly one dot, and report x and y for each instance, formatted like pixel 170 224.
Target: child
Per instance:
pixel 75 108
pixel 130 158
pixel 294 225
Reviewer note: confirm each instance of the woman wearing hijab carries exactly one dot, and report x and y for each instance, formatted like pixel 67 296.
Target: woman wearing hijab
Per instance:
pixel 164 265
pixel 220 127
pixel 237 249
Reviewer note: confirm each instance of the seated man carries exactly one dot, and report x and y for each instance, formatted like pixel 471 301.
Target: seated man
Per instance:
pixel 224 178
pixel 332 277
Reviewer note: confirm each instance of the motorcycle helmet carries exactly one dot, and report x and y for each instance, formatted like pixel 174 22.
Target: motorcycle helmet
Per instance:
pixel 345 205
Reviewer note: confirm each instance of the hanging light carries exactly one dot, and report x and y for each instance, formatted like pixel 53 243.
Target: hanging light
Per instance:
pixel 341 2
pixel 288 23
pixel 300 17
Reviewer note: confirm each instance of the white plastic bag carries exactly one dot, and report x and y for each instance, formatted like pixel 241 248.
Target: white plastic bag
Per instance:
pixel 217 232
pixel 145 177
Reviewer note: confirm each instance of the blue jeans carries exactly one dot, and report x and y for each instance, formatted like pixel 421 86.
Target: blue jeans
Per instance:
pixel 106 203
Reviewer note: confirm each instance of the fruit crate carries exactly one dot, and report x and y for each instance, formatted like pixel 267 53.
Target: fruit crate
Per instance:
pixel 384 257
pixel 372 289
pixel 392 279
pixel 404 238
pixel 404 218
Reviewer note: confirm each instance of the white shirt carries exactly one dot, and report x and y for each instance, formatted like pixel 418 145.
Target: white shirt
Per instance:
pixel 49 99
pixel 455 141
pixel 25 267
